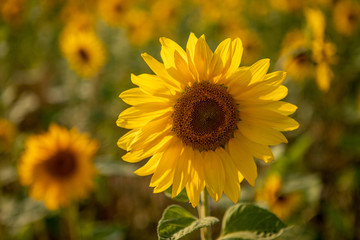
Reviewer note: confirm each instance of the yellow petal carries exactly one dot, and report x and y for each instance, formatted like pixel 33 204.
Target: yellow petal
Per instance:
pixel 269 118
pixel 182 171
pixel 190 46
pixel 242 159
pixel 196 183
pixel 237 51
pixel 159 69
pixel 259 69
pixel 202 58
pixel 214 174
pixel 275 78
pixel 280 107
pixel 222 58
pixel 181 71
pixel 154 85
pixel 261 92
pixel 260 151
pixel 138 155
pixel 232 184
pixel 169 47
pixel 150 166
pixel 127 138
pixel 238 82
pixel 135 96
pixel 152 131
pixel 140 115
pixel 192 68
pixel 164 173
pixel 51 197
pixel 260 134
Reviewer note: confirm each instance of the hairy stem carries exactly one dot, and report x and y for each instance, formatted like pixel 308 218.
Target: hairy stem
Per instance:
pixel 204 211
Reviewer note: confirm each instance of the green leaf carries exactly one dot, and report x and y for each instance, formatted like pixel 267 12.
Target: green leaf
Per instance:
pixel 181 197
pixel 177 222
pixel 246 221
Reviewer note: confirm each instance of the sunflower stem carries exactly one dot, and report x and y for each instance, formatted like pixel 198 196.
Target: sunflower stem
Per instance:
pixel 72 220
pixel 204 211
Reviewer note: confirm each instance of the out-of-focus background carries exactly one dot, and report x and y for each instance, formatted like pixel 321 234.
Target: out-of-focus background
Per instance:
pixel 66 62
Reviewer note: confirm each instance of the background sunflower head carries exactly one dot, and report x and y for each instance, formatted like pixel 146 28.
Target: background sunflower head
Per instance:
pixel 57 166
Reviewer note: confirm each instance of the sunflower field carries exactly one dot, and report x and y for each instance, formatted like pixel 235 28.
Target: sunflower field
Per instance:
pixel 166 119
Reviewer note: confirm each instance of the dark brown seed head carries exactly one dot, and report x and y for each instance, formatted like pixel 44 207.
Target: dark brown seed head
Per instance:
pixel 205 116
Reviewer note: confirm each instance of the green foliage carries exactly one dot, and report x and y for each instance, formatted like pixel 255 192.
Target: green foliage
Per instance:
pixel 246 221
pixel 181 197
pixel 177 222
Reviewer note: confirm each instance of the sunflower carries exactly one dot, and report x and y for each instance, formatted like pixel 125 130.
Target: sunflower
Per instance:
pixel 57 166
pixel 201 119
pixel 346 16
pixel 84 52
pixel 296 57
pixel 164 13
pixel 78 21
pixel 214 11
pixel 12 11
pixel 113 11
pixel 323 52
pixel 139 26
pixel 324 55
pixel 280 203
pixel 287 5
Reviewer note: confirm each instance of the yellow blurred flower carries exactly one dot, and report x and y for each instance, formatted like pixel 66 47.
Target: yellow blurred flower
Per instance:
pixel 346 17
pixel 288 5
pixel 12 11
pixel 84 51
pixel 57 165
pixel 7 134
pixel 295 56
pixel 316 21
pixel 79 21
pixel 140 26
pixel 164 14
pixel 323 52
pixel 324 55
pixel 73 10
pixel 281 204
pixel 259 8
pixel 113 12
pixel 201 119
pixel 213 11
pixel 323 3
pixel 294 39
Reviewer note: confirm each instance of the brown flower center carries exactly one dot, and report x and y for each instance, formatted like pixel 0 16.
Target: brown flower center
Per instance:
pixel 84 55
pixel 352 17
pixel 205 116
pixel 302 58
pixel 62 164
pixel 119 8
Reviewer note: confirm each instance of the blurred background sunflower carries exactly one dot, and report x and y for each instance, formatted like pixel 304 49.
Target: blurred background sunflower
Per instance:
pixel 58 167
